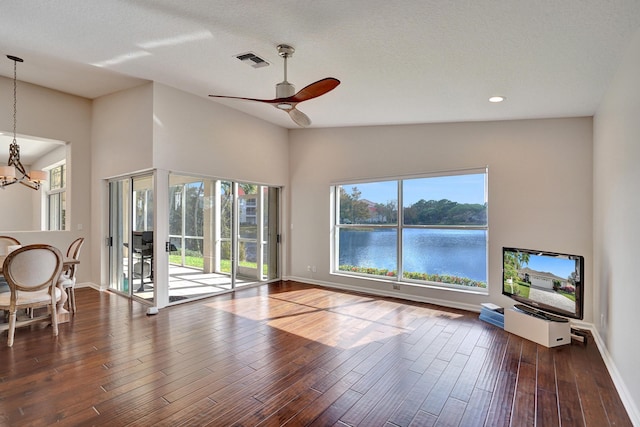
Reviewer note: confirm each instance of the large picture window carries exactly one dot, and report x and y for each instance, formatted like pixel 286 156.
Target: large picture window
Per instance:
pixel 426 230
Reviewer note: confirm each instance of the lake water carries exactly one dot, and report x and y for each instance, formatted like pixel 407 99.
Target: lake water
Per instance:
pixel 460 253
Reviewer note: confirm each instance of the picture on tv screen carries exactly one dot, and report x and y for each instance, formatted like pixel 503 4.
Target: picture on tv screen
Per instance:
pixel 545 280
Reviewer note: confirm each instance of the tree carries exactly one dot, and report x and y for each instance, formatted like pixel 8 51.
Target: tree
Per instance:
pixel 187 198
pixel 387 213
pixel 514 261
pixel 573 278
pixel 352 209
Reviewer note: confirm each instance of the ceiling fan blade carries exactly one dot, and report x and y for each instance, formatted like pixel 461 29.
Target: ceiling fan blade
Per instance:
pixel 311 91
pixel 269 101
pixel 315 89
pixel 299 117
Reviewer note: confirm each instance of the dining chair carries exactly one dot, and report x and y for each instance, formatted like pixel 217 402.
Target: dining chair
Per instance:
pixel 5 243
pixel 67 279
pixel 32 273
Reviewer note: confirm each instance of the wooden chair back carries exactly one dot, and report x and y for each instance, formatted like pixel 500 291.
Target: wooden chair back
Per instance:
pixel 32 274
pixel 5 242
pixel 74 252
pixel 33 268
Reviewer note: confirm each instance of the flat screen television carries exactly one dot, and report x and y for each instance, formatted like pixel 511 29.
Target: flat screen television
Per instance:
pixel 547 281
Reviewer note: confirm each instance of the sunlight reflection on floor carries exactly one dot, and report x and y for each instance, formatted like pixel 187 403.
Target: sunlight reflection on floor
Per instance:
pixel 317 318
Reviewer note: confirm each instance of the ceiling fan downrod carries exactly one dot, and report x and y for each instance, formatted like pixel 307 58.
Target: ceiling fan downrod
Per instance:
pixel 285 89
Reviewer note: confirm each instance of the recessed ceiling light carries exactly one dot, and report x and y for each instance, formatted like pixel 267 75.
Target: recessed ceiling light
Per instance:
pixel 497 99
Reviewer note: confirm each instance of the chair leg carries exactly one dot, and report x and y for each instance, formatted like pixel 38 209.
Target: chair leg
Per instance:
pixel 54 320
pixel 12 328
pixel 72 300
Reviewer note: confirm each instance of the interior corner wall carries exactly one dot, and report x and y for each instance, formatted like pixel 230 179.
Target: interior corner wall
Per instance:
pixel 154 126
pixel 50 114
pixel 122 143
pixel 196 135
pixel 617 222
pixel 540 190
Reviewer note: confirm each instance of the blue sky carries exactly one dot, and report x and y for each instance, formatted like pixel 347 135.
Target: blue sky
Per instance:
pixel 457 188
pixel 561 267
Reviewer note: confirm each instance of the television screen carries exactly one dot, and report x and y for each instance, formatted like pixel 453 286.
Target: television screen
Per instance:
pixel 548 281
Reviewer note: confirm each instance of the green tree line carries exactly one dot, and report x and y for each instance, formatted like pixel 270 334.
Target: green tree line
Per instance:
pixel 445 212
pixel 354 210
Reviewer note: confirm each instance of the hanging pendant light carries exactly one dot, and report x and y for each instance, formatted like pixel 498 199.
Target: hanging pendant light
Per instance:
pixel 15 172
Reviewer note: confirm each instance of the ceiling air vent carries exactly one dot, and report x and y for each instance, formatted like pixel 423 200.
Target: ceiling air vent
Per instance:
pixel 252 59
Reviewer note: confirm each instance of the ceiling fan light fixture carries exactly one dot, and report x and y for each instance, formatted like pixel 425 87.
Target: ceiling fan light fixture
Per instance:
pixel 284 106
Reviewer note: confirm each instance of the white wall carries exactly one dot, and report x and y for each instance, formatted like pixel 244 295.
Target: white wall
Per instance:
pixel 617 222
pixel 50 114
pixel 122 132
pixel 195 135
pixel 20 200
pixel 540 184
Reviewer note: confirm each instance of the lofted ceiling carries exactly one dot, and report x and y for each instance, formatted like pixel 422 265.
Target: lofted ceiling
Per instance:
pixel 400 62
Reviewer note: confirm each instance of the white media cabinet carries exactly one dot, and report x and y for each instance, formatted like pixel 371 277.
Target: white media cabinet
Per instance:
pixel 548 333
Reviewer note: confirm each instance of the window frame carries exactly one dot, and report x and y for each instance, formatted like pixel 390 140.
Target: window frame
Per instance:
pixel 60 195
pixel 400 227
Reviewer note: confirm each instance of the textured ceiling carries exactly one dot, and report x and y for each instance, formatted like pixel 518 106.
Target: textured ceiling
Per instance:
pixel 400 62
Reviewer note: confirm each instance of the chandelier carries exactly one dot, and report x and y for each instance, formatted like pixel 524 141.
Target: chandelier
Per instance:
pixel 15 172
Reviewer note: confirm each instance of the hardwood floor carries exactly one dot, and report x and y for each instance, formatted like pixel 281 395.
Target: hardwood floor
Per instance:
pixel 293 354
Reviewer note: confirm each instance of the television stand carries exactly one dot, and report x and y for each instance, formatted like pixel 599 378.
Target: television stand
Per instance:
pixel 542 328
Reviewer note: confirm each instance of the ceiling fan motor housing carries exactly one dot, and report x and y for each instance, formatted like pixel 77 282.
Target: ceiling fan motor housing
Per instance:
pixel 285 90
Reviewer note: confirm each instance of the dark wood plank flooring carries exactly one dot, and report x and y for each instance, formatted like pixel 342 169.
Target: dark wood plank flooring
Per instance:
pixel 293 354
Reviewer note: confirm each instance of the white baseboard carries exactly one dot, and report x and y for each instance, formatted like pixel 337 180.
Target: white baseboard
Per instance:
pixel 618 380
pixel 89 285
pixel 395 294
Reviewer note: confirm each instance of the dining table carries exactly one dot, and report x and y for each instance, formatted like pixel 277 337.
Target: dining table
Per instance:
pixel 63 314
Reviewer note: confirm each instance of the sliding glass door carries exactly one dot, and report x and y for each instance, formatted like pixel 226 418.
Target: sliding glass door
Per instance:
pixel 131 265
pixel 119 235
pixel 223 235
